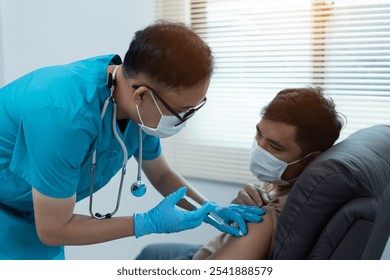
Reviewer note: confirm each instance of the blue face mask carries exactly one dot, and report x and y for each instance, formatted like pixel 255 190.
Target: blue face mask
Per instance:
pixel 266 167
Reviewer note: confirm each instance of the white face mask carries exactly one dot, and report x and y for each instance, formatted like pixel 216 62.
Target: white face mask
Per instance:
pixel 266 167
pixel 166 126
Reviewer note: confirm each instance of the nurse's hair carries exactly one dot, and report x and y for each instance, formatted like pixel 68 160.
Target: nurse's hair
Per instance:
pixel 317 122
pixel 170 53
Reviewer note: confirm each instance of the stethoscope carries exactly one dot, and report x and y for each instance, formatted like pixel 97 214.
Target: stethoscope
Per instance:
pixel 138 188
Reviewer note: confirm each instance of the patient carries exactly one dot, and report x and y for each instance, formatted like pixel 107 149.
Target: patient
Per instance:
pixel 296 127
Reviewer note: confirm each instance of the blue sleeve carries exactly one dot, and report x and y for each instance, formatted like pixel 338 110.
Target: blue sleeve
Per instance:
pixel 151 147
pixel 50 147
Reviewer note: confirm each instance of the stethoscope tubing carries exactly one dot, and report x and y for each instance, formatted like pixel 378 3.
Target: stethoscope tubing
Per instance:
pixel 124 150
pixel 139 153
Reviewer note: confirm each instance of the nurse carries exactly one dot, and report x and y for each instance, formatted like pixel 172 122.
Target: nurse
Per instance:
pixel 66 130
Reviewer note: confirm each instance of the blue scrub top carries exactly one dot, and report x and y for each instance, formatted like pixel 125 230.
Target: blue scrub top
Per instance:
pixel 50 125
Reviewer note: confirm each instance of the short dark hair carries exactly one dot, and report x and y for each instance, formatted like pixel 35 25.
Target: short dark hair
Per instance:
pixel 315 117
pixel 170 53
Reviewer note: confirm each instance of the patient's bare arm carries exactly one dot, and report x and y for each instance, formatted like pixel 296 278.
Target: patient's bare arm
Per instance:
pixel 253 246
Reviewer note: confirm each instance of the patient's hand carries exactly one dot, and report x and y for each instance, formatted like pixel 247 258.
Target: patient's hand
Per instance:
pixel 249 195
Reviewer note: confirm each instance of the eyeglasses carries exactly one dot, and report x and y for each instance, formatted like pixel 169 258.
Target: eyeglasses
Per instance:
pixel 188 114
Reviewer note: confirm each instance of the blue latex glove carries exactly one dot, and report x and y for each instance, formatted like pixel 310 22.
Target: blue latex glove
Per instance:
pixel 166 217
pixel 235 216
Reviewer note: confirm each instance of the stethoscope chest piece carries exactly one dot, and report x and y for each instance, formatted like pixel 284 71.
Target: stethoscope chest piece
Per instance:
pixel 138 188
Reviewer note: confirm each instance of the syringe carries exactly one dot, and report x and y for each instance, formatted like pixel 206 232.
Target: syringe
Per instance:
pixel 211 215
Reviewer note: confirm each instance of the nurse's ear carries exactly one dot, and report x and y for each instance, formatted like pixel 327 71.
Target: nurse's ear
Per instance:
pixel 139 94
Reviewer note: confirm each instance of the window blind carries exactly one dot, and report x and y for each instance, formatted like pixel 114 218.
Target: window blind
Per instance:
pixel 261 47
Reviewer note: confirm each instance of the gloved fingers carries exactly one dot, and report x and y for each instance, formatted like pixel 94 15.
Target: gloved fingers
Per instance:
pixel 176 196
pixel 230 229
pixel 248 209
pixel 253 218
pixel 251 214
pixel 239 221
pixel 229 225
pixel 207 207
pixel 200 213
pixel 223 227
pixel 190 219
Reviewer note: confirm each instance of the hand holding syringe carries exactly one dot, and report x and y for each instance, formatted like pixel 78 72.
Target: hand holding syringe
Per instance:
pixel 213 216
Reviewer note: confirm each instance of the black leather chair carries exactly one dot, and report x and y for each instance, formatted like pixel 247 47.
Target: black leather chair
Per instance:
pixel 339 208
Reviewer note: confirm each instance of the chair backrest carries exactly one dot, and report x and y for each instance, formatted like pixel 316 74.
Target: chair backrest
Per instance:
pixel 339 208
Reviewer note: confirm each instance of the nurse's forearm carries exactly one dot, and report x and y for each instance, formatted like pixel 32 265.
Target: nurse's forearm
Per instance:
pixel 83 230
pixel 56 223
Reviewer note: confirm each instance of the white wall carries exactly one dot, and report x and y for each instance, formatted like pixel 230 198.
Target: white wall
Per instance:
pixel 43 32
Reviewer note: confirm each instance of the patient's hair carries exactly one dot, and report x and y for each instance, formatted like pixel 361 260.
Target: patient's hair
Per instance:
pixel 170 53
pixel 315 117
